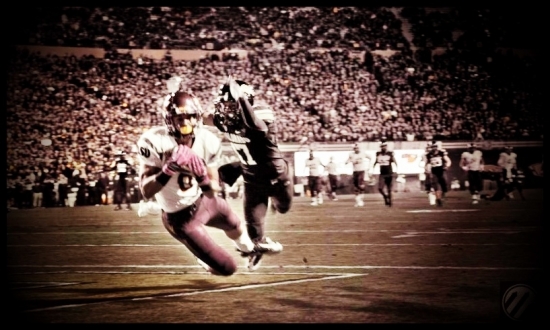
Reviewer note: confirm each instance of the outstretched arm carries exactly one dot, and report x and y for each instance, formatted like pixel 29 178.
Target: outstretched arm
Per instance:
pixel 250 120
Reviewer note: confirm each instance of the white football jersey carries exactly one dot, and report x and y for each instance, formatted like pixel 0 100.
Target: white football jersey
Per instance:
pixel 507 161
pixel 472 160
pixel 332 168
pixel 314 166
pixel 359 160
pixel 155 147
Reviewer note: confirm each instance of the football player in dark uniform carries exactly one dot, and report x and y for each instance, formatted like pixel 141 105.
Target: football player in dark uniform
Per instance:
pixel 249 127
pixel 123 168
pixel 385 158
pixel 439 163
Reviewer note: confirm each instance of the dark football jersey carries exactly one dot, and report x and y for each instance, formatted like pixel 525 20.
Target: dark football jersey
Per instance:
pixel 437 161
pixel 122 167
pixel 384 159
pixel 258 152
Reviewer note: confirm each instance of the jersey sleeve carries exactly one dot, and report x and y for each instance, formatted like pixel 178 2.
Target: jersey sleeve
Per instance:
pixel 213 147
pixel 152 148
pixel 264 112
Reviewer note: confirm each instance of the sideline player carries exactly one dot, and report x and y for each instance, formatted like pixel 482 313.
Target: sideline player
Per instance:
pixel 359 158
pixel 385 158
pixel 439 163
pixel 509 163
pixel 123 168
pixel 428 175
pixel 313 164
pixel 250 128
pixel 472 162
pixel 332 170
pixel 178 167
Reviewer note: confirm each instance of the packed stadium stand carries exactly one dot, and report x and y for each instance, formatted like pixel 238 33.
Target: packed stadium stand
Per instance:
pixel 333 75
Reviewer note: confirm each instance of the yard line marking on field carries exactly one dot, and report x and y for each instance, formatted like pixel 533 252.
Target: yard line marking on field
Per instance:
pixel 254 286
pixel 270 231
pixel 301 244
pixel 193 293
pixel 39 285
pixel 280 267
pixel 442 211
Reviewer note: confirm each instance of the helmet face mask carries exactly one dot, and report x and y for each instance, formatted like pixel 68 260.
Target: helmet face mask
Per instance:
pixel 182 113
pixel 227 112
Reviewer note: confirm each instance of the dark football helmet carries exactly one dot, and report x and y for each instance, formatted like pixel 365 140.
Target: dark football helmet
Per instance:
pixel 434 146
pixel 182 111
pixel 227 116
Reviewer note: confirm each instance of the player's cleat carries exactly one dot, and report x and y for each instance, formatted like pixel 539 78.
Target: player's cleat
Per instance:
pixel 118 208
pixel 389 202
pixel 254 261
pixel 475 201
pixel 439 202
pixel 314 203
pixel 266 246
pixel 358 201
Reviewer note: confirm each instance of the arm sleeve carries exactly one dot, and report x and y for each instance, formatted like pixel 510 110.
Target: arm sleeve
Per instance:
pixel 250 119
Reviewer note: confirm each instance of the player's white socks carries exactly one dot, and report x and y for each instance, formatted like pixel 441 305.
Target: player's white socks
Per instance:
pixel 431 198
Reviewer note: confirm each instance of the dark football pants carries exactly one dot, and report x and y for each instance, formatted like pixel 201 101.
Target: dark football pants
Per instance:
pixel 475 182
pixel 385 180
pixel 358 181
pixel 256 199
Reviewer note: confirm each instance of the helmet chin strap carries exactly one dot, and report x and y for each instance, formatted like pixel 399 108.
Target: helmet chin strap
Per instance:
pixel 186 139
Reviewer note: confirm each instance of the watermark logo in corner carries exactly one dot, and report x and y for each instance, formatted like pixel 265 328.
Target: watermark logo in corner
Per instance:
pixel 519 302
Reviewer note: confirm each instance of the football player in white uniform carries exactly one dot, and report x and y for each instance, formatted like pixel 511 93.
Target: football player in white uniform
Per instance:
pixel 178 167
pixel 313 165
pixel 360 161
pixel 472 162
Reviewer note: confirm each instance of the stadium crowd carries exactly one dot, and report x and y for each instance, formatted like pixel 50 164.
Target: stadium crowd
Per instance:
pixel 67 116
